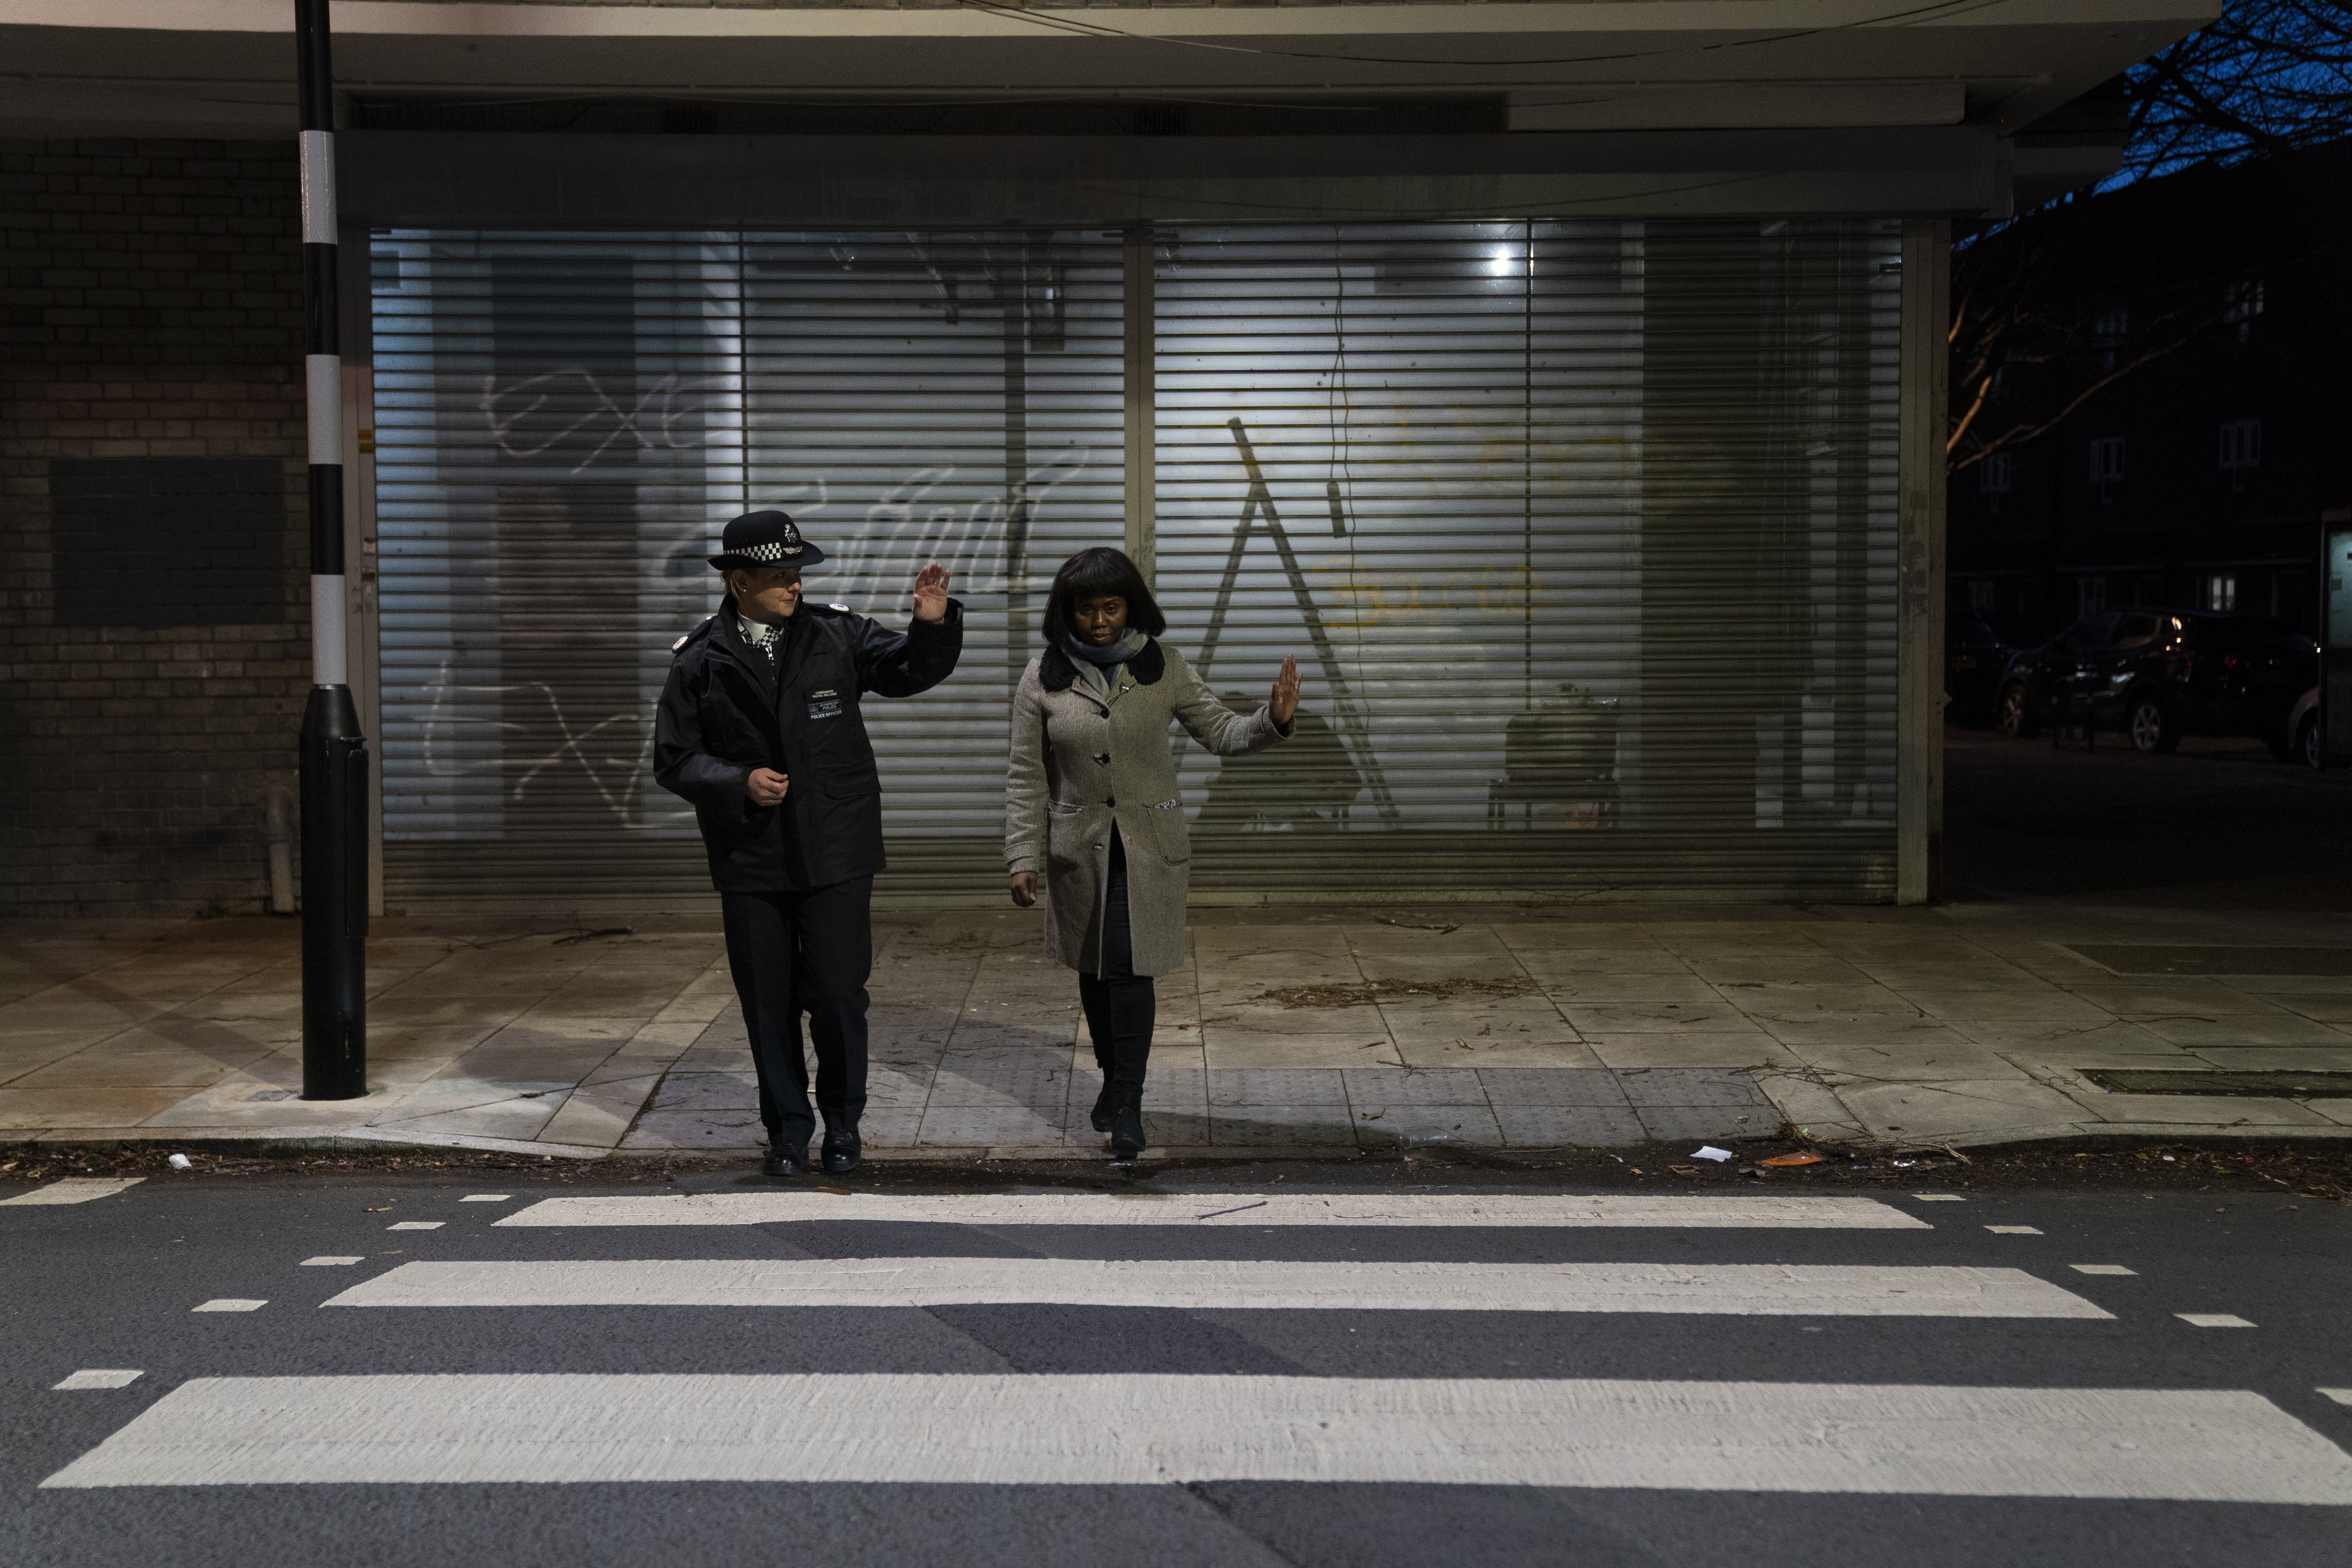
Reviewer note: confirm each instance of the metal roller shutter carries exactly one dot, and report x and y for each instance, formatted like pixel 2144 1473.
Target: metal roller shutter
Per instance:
pixel 549 447
pixel 953 399
pixel 564 425
pixel 1583 533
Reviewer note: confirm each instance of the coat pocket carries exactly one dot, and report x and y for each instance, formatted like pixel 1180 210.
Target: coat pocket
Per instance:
pixel 1170 835
pixel 1067 845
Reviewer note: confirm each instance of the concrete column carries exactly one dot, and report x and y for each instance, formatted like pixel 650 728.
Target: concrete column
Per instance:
pixel 1919 564
pixel 1140 442
pixel 364 633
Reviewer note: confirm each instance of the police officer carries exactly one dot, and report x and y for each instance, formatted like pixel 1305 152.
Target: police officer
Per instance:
pixel 759 729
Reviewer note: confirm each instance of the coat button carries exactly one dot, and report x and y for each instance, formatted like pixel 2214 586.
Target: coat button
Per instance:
pixel 1103 758
pixel 1108 800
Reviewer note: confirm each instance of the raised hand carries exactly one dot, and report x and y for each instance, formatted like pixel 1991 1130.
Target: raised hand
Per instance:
pixel 932 593
pixel 1283 703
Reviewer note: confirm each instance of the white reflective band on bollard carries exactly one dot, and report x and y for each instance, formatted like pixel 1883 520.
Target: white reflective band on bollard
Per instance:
pixel 318 187
pixel 323 379
pixel 328 662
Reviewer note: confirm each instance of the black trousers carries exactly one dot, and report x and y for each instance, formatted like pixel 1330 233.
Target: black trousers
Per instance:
pixel 795 951
pixel 1120 1005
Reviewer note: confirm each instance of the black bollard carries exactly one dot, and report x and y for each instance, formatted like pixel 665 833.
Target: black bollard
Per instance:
pixel 334 752
pixel 335 897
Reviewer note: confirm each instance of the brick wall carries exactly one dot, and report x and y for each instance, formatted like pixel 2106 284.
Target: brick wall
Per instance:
pixel 150 308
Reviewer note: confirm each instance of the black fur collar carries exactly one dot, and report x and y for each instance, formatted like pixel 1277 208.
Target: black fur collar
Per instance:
pixel 1056 671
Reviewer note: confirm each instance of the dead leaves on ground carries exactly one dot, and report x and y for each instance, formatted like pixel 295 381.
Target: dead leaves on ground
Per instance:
pixel 1368 993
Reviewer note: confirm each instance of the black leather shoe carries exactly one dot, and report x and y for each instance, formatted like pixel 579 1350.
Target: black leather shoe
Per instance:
pixel 843 1151
pixel 1101 1114
pixel 789 1160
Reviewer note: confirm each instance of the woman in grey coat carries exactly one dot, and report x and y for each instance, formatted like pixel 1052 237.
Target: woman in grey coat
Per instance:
pixel 1090 801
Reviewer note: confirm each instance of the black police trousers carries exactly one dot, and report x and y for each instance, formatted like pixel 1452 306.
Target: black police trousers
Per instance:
pixel 1120 1005
pixel 791 951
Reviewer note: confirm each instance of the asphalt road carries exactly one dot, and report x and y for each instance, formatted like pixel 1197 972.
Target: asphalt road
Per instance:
pixel 2219 825
pixel 1339 1367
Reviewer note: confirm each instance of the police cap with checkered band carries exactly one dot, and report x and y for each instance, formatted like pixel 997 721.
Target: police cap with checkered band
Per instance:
pixel 765 539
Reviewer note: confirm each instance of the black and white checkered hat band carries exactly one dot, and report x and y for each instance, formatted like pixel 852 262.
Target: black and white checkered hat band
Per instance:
pixel 773 552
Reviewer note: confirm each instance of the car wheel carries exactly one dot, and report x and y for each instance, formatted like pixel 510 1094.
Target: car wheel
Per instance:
pixel 2307 742
pixel 2151 727
pixel 2015 715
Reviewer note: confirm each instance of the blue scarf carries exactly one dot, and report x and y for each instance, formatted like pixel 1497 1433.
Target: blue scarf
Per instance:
pixel 1118 651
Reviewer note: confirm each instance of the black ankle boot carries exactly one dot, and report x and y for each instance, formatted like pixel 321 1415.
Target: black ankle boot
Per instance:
pixel 1127 1121
pixel 1105 1104
pixel 843 1151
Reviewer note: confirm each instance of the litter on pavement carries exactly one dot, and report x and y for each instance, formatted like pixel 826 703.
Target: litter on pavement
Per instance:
pixel 1709 1151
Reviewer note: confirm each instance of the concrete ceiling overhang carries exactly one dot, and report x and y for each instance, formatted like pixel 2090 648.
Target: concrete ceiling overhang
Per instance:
pixel 570 181
pixel 224 68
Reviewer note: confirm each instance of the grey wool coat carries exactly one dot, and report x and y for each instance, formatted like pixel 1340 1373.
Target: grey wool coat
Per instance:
pixel 1081 762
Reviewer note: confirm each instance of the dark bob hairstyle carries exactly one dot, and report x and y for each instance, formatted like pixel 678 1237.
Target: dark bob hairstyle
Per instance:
pixel 1091 574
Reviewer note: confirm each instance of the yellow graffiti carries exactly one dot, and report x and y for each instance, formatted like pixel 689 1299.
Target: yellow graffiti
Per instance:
pixel 1369 596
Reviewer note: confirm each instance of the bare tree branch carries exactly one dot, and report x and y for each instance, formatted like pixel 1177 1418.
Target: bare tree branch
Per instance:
pixel 2264 77
pixel 2018 434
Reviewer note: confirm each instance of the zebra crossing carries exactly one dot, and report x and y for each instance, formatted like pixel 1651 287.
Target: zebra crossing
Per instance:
pixel 1159 1429
pixel 1196 1285
pixel 1290 1265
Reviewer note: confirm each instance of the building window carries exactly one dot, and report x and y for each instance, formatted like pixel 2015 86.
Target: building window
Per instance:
pixel 2090 596
pixel 2107 463
pixel 2108 333
pixel 2241 301
pixel 1984 594
pixel 1992 475
pixel 2241 444
pixel 2222 591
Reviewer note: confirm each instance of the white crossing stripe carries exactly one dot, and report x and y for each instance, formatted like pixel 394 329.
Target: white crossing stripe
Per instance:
pixel 74 1190
pixel 2013 1230
pixel 2201 1446
pixel 1241 1210
pixel 2214 1320
pixel 230 1304
pixel 99 1377
pixel 417 1225
pixel 327 1262
pixel 485 1197
pixel 1753 1289
pixel 2341 1395
pixel 2113 1268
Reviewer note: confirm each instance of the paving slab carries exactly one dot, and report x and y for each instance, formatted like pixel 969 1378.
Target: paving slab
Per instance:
pixel 1964 1025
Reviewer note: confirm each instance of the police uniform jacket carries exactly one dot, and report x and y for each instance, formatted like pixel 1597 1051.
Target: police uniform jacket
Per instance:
pixel 727 710
pixel 1084 761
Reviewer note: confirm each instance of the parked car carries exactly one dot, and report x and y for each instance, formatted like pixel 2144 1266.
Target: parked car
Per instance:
pixel 2160 674
pixel 2302 732
pixel 1977 650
